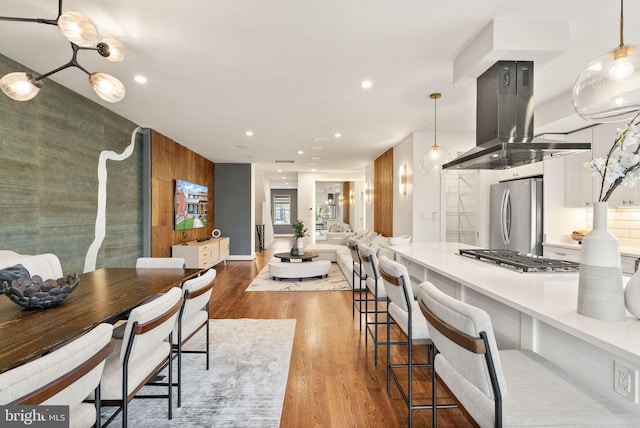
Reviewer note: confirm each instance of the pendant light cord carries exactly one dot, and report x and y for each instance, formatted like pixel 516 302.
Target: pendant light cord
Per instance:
pixel 621 23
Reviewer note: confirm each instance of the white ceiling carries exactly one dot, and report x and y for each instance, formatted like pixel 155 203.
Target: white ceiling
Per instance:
pixel 290 70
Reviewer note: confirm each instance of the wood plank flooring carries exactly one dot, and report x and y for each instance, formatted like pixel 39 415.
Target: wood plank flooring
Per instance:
pixel 332 379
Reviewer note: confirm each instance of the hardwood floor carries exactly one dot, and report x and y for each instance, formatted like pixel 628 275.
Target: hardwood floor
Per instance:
pixel 332 379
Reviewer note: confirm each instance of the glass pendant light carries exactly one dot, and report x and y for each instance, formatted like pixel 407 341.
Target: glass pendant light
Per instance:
pixel 20 86
pixel 608 90
pixel 107 87
pixel 78 29
pixel 433 158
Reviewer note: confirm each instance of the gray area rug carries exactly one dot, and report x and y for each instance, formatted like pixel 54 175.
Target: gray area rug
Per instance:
pixel 334 281
pixel 244 386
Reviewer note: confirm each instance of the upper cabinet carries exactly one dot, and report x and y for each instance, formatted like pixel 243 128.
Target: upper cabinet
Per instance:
pixel 604 136
pixel 578 183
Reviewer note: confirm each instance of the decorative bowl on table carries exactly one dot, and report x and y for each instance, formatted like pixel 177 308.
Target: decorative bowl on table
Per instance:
pixel 35 293
pixel 399 240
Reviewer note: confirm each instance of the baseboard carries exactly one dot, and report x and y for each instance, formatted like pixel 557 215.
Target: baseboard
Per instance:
pixel 242 257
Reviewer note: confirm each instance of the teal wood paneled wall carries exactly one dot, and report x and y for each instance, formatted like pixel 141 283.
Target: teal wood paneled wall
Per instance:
pixel 49 149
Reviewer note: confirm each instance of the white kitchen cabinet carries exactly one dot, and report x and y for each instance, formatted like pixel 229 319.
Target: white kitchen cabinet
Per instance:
pixel 565 252
pixel 578 182
pixel 604 136
pixel 561 252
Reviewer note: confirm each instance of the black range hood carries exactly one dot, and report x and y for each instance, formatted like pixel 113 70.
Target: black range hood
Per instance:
pixel 504 122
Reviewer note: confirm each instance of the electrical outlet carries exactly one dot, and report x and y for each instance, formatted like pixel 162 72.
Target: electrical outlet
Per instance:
pixel 625 381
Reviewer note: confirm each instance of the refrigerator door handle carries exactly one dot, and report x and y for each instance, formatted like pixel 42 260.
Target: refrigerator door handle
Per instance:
pixel 505 217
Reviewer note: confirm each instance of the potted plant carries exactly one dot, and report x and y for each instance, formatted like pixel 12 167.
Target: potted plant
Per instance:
pixel 299 232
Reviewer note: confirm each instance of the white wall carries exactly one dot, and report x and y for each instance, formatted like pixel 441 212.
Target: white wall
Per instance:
pixel 307 203
pixel 403 204
pixel 368 217
pixel 429 198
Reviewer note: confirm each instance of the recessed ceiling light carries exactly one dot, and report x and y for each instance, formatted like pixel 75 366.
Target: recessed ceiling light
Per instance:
pixel 283 177
pixel 312 164
pixel 366 84
pixel 315 148
pixel 243 146
pixel 313 170
pixel 318 139
pixel 300 152
pixel 314 158
pixel 337 135
pixel 140 78
pixel 279 170
pixel 249 133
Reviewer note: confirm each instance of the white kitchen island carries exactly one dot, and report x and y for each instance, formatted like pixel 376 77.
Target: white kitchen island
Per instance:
pixel 534 311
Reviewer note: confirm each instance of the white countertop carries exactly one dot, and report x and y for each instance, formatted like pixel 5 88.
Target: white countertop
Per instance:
pixel 548 297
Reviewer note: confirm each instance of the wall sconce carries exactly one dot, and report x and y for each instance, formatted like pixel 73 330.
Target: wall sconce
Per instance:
pixel 367 192
pixel 352 199
pixel 403 180
pixel 82 33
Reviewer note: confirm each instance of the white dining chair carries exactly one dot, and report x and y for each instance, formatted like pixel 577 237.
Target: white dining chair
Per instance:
pixel 160 262
pixel 143 352
pixel 193 316
pixel 66 376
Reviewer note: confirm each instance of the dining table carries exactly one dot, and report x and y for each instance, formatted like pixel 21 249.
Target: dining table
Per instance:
pixel 103 296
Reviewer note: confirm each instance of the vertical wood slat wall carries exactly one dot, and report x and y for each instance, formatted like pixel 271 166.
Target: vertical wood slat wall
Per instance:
pixel 383 193
pixel 171 161
pixel 346 204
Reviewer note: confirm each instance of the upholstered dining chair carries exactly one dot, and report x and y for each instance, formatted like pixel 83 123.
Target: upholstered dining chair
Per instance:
pixel 511 387
pixel 144 351
pixel 193 316
pixel 404 310
pixel 358 287
pixel 160 262
pixel 66 376
pixel 375 286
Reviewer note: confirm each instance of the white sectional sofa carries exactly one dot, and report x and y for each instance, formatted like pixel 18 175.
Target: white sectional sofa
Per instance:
pixel 340 254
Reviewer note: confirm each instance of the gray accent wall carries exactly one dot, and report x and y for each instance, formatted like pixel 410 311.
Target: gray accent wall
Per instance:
pixel 286 229
pixel 232 198
pixel 49 149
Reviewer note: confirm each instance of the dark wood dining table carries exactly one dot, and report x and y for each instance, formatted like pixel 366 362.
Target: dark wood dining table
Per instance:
pixel 104 295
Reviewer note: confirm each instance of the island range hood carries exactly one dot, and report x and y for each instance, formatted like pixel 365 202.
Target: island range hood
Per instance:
pixel 504 122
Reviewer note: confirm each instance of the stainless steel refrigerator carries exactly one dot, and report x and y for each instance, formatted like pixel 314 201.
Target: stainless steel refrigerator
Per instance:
pixel 515 221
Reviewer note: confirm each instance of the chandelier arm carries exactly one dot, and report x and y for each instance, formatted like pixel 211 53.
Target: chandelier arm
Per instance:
pixel 37 20
pixel 621 22
pixel 72 63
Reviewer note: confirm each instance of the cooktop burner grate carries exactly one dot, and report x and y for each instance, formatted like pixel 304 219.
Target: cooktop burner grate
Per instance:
pixel 524 263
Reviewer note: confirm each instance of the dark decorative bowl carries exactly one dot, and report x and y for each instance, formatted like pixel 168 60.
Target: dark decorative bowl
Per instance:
pixel 36 293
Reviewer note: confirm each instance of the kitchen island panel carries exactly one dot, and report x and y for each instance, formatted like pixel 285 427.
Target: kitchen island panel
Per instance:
pixel 548 322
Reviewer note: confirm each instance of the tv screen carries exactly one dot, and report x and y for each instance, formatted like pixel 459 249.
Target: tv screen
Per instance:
pixel 190 205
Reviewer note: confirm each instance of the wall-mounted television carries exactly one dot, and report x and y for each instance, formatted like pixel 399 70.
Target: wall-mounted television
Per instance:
pixel 191 203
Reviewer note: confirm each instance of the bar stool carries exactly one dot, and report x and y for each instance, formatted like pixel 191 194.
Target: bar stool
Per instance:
pixel 404 310
pixel 375 286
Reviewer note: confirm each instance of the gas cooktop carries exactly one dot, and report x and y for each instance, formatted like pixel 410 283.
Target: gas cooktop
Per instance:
pixel 521 262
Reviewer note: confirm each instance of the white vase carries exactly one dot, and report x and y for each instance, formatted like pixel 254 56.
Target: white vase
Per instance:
pixel 632 294
pixel 300 245
pixel 600 291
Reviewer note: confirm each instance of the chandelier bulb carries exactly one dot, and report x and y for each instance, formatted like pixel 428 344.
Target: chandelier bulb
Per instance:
pixel 78 29
pixel 111 49
pixel 107 87
pixel 20 86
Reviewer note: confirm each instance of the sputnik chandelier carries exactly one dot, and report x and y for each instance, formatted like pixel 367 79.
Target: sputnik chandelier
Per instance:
pixel 82 33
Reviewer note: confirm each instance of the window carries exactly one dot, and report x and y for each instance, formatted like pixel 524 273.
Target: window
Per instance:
pixel 281 209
